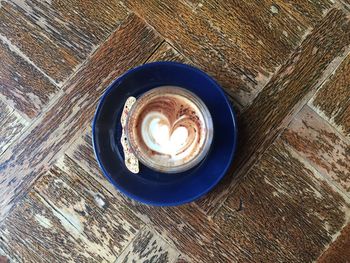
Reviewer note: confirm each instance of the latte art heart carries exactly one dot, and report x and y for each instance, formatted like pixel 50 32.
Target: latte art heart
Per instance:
pixel 167 128
pixel 163 137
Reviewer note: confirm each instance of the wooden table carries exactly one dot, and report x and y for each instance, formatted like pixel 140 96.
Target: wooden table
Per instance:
pixel 284 64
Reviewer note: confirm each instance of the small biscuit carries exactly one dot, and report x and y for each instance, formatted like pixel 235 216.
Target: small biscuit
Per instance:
pixel 127 106
pixel 131 162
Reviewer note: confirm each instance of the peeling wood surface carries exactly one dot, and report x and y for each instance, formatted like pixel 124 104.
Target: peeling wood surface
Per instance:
pixel 58 35
pixel 12 124
pixel 283 190
pixel 130 45
pixel 148 246
pixel 268 25
pixel 67 218
pixel 35 232
pixel 287 91
pixel 332 101
pixel 215 34
pixel 314 139
pixel 167 53
pixel 21 84
pixel 179 226
pixel 283 65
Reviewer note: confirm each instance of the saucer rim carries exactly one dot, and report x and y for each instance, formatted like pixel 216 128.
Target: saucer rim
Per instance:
pixel 233 115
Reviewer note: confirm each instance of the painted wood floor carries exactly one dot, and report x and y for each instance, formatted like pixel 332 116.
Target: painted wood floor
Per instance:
pixel 285 66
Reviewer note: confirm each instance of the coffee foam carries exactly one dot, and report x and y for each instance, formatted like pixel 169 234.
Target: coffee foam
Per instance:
pixel 156 134
pixel 168 129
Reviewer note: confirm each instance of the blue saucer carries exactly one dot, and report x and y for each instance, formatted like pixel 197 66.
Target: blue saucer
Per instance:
pixel 151 187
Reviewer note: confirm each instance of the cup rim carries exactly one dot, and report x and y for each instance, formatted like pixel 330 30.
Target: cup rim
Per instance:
pixel 206 143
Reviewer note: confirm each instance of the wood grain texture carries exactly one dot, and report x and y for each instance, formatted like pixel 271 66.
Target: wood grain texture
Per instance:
pixel 21 84
pixel 165 52
pixel 230 49
pixel 346 2
pixel 82 152
pixel 148 246
pixel 332 101
pixel 315 140
pixel 179 226
pixel 194 4
pixel 229 239
pixel 181 259
pixel 12 124
pixel 283 211
pixel 58 35
pixel 37 233
pixel 339 251
pixel 192 233
pixel 283 199
pixel 193 36
pixel 266 31
pixel 128 46
pixel 67 218
pixel 296 81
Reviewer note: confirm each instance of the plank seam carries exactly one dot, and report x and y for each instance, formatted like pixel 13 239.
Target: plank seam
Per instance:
pixel 16 50
pixel 250 161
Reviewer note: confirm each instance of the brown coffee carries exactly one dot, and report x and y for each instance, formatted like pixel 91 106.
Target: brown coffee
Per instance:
pixel 167 127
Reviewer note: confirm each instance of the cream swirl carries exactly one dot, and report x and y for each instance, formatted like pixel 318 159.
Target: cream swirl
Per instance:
pixel 167 128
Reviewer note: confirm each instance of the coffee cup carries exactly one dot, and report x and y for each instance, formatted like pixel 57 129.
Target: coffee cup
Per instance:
pixel 169 129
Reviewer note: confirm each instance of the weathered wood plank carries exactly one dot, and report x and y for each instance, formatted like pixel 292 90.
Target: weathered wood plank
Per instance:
pixel 81 151
pixel 10 129
pixel 58 35
pixel 346 2
pixel 229 49
pixel 101 216
pixel 332 101
pixel 179 225
pixel 283 210
pixel 193 36
pixel 249 230
pixel 339 251
pixel 21 84
pixel 266 31
pixel 296 81
pixel 194 4
pixel 66 218
pixel 128 46
pixel 166 52
pixel 314 139
pixel 148 246
pixel 5 111
pixel 12 124
pixel 37 233
pixel 181 259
